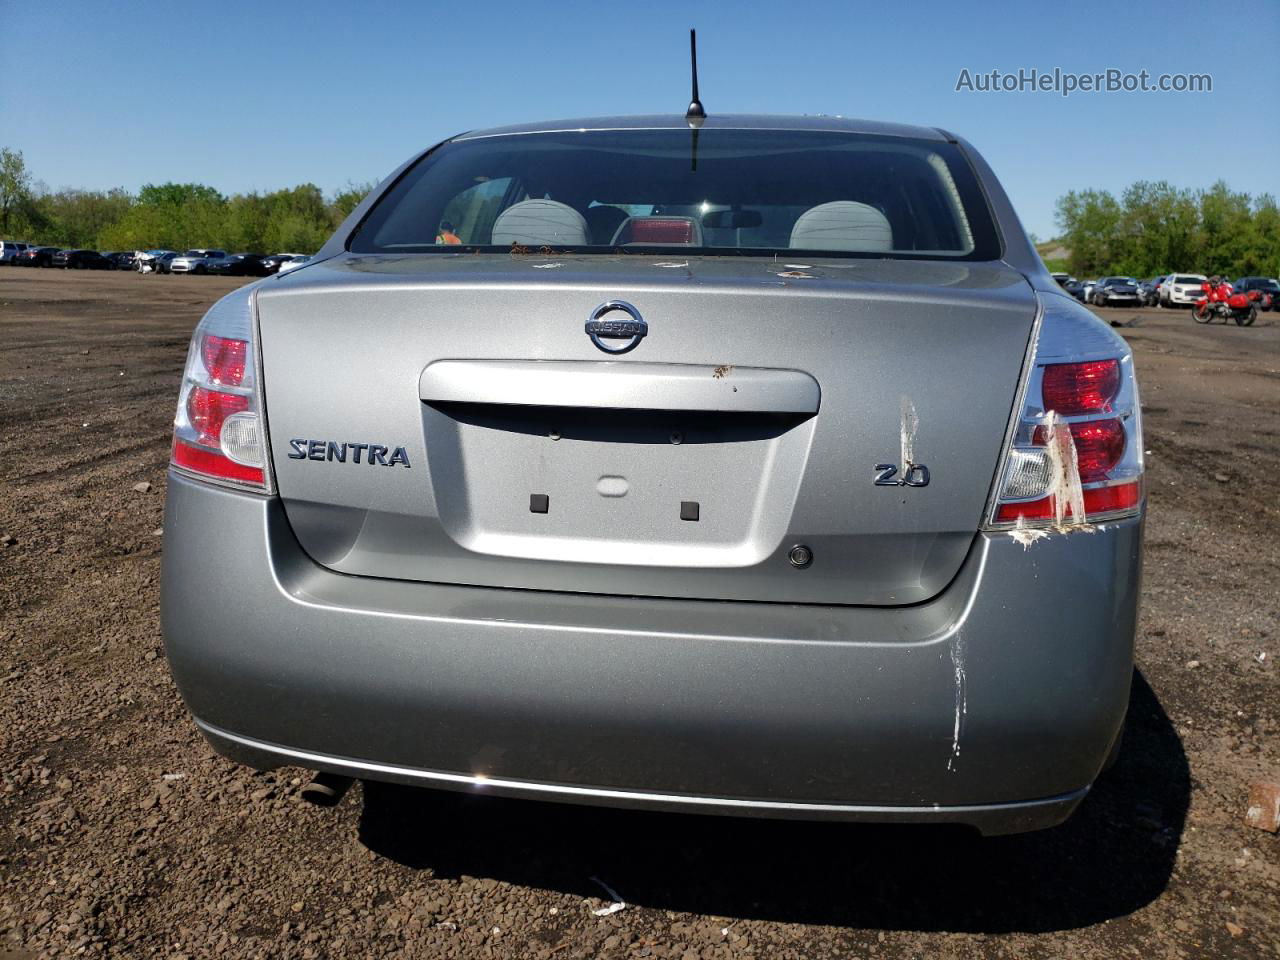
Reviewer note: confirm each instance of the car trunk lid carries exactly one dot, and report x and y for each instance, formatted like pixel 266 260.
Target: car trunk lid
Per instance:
pixel 447 418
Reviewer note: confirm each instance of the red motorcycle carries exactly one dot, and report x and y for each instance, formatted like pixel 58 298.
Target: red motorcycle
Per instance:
pixel 1220 301
pixel 1262 300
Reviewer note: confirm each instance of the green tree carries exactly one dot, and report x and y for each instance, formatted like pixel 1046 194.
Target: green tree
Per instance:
pixel 1157 229
pixel 1225 228
pixel 143 227
pixel 300 220
pixel 1262 253
pixel 1090 222
pixel 177 194
pixel 15 186
pixel 346 200
pixel 77 217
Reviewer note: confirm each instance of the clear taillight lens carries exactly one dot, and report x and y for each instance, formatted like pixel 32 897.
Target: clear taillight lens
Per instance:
pixel 218 431
pixel 1075 454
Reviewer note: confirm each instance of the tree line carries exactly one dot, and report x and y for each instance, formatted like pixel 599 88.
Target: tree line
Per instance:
pixel 1155 228
pixel 168 216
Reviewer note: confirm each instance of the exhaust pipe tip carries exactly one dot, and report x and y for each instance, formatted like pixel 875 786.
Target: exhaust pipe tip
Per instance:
pixel 326 789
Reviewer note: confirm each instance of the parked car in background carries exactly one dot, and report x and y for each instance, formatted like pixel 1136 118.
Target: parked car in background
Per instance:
pixel 1181 289
pixel 120 260
pixel 1075 288
pixel 272 263
pixel 1086 290
pixel 1116 292
pixel 36 257
pixel 81 260
pixel 151 258
pixel 734 587
pixel 238 265
pixel 1061 278
pixel 10 249
pixel 293 263
pixel 1149 291
pixel 196 261
pixel 1266 288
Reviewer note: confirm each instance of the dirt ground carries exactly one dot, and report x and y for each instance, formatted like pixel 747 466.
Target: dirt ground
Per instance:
pixel 123 834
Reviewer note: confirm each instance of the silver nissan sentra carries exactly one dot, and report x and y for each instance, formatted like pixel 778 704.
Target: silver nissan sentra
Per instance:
pixel 752 466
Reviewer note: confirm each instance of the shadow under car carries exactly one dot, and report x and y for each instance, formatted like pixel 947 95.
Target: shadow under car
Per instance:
pixel 1112 857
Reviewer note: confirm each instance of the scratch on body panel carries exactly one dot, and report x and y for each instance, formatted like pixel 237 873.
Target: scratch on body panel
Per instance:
pixel 962 702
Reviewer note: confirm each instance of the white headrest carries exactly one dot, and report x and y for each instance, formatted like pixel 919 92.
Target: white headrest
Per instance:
pixel 540 223
pixel 842 225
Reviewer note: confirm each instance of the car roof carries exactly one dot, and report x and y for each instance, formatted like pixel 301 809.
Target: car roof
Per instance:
pixel 817 122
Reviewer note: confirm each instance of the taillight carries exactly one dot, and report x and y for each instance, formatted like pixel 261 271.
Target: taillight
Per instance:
pixel 1099 446
pixel 208 410
pixel 224 358
pixel 218 431
pixel 1097 500
pixel 1074 388
pixel 1075 453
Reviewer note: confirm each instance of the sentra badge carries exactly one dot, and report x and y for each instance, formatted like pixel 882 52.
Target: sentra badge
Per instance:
pixel 374 454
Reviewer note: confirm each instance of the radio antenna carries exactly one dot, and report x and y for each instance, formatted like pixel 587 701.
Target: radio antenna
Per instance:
pixel 695 111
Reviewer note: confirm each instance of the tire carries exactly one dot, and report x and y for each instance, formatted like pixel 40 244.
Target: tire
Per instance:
pixel 1246 319
pixel 1201 314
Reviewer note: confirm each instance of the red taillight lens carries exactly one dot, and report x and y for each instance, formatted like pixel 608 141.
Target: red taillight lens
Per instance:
pixel 1071 389
pixel 214 464
pixel 658 230
pixel 1099 447
pixel 207 409
pixel 224 359
pixel 1098 500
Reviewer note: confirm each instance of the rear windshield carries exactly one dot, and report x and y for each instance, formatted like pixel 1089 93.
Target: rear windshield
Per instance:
pixel 754 192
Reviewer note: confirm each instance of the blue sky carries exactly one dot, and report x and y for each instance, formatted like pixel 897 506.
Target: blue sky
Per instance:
pixel 257 95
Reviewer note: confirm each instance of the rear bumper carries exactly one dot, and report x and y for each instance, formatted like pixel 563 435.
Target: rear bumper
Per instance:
pixel 994 704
